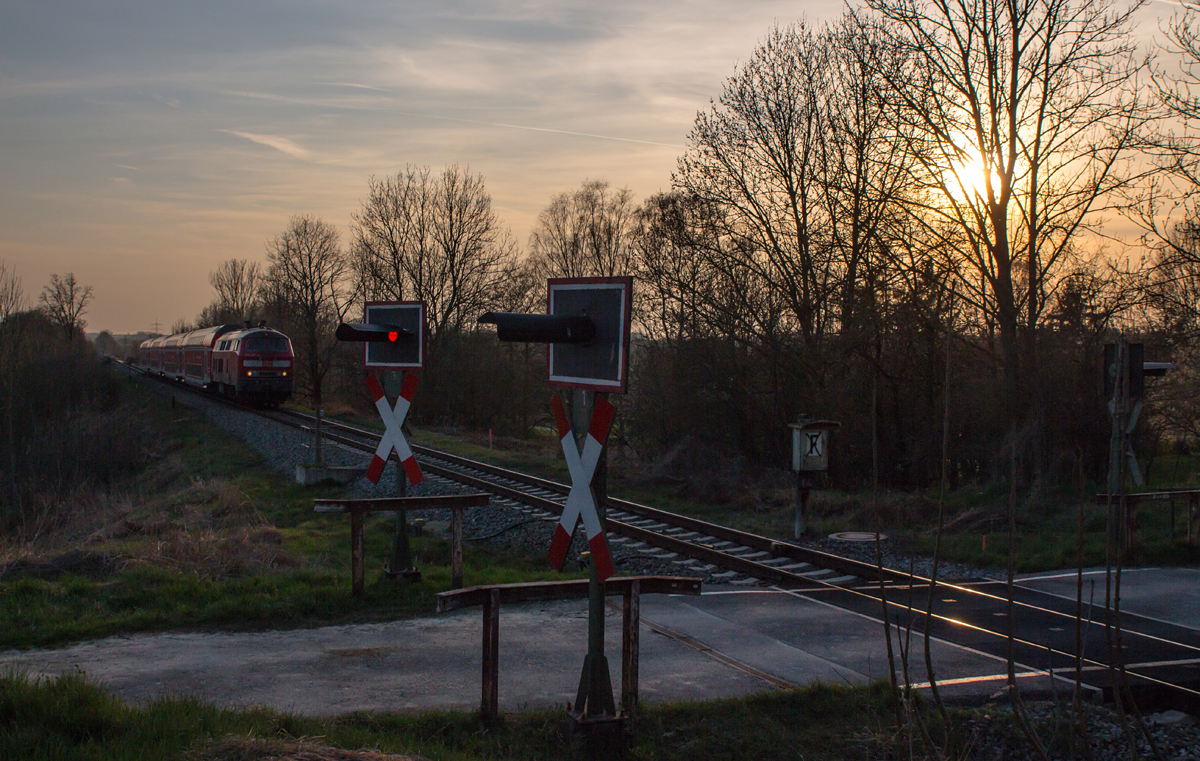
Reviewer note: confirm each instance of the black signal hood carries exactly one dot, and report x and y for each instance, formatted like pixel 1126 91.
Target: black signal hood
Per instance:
pixel 541 328
pixel 361 331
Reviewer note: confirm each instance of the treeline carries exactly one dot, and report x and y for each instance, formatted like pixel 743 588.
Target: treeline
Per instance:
pixel 901 221
pixel 61 431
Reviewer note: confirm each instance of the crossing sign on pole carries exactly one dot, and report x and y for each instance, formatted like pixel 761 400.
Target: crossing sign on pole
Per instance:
pixel 393 437
pixel 581 502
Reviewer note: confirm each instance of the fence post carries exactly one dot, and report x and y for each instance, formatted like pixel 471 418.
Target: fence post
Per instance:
pixel 356 551
pixel 631 622
pixel 456 548
pixel 490 703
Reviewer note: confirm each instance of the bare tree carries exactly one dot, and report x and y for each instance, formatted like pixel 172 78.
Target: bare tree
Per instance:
pixel 1166 208
pixel 64 301
pixel 12 340
pixel 585 233
pixel 307 284
pixel 106 344
pixel 434 239
pixel 1022 115
pixel 756 155
pixel 12 298
pixel 237 283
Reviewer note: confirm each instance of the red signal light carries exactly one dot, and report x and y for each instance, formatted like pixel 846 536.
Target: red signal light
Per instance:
pixel 393 335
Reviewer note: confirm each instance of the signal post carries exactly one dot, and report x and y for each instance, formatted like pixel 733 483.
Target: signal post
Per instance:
pixel 586 329
pixel 393 338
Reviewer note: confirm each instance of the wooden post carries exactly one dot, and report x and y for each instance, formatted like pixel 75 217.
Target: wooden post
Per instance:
pixel 456 548
pixel 1130 507
pixel 1172 533
pixel 631 620
pixel 356 551
pixel 490 703
pixel 1193 519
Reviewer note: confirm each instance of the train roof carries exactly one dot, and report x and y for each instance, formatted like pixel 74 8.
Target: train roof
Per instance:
pixel 206 336
pixel 249 332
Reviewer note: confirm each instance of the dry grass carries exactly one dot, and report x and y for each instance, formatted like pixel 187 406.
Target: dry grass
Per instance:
pixel 206 526
pixel 232 748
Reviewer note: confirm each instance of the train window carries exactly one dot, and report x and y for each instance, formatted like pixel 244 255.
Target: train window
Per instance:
pixel 266 343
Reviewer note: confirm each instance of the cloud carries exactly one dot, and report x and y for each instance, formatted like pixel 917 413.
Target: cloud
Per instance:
pixel 361 87
pixel 277 142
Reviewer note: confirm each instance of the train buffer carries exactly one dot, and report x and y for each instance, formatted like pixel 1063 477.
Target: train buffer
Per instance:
pixel 357 508
pixel 491 596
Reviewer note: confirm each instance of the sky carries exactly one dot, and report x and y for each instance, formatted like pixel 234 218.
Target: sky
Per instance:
pixel 142 142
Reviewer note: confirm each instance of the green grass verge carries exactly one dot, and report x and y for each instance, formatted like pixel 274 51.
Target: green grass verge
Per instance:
pixel 218 541
pixel 54 612
pixel 69 718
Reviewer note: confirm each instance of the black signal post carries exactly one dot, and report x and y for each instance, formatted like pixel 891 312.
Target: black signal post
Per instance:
pixel 381 333
pixel 587 334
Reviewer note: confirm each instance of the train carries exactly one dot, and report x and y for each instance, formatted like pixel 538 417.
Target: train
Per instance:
pixel 253 364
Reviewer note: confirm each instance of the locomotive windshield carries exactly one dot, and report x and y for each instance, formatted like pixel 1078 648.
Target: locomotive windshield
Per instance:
pixel 265 343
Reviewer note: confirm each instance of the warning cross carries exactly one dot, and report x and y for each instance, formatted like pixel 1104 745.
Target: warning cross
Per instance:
pixel 393 437
pixel 581 503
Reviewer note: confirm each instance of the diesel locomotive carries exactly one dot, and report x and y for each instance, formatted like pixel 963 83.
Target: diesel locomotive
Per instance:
pixel 239 361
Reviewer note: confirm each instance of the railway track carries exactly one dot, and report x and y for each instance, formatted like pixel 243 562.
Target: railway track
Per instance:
pixel 1161 660
pixel 743 556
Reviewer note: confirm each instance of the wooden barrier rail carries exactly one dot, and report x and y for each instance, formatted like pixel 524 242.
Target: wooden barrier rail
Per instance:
pixel 359 507
pixel 491 596
pixel 1131 502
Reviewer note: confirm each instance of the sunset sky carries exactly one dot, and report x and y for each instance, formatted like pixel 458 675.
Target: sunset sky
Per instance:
pixel 142 141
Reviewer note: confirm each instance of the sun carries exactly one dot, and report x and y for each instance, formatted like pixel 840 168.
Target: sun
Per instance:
pixel 966 179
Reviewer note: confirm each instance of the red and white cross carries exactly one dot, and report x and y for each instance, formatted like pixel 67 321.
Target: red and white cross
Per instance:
pixel 581 502
pixel 393 437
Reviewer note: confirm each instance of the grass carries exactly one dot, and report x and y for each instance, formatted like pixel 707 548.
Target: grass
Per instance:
pixel 69 718
pixel 206 537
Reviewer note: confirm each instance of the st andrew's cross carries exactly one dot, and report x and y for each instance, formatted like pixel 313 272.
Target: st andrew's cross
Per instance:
pixel 393 437
pixel 581 502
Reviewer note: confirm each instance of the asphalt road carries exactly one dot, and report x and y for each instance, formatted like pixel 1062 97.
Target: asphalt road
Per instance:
pixel 730 641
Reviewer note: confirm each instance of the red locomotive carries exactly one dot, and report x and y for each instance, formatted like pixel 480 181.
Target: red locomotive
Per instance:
pixel 243 362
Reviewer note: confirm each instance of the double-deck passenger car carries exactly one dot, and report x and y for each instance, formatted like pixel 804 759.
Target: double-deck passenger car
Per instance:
pixel 251 363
